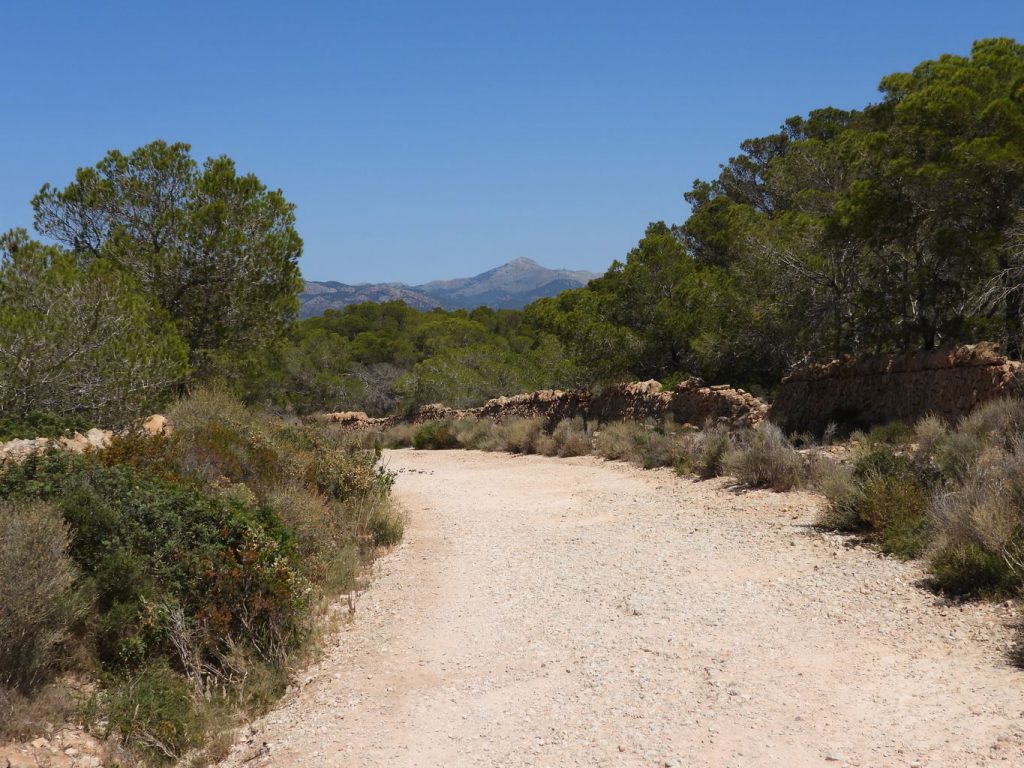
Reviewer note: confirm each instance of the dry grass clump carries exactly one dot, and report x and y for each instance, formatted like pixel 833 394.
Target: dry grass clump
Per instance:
pixel 571 437
pixel 620 441
pixel 767 460
pixel 524 436
pixel 703 453
pixel 979 544
pixel 40 597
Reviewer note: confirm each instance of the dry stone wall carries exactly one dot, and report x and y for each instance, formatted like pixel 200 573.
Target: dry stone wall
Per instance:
pixel 691 402
pixel 862 392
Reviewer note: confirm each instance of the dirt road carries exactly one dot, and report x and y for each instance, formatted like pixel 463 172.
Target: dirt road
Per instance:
pixel 564 612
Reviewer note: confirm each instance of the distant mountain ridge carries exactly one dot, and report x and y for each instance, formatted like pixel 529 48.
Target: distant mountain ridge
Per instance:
pixel 510 286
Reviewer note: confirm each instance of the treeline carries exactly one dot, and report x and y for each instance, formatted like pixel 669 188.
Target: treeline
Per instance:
pixel 899 226
pixel 161 273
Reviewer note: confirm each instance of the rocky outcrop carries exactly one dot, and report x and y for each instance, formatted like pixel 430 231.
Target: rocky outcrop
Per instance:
pixel 862 392
pixel 94 439
pixel 18 449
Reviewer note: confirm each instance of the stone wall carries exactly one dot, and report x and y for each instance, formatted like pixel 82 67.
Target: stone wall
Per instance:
pixel 863 392
pixel 691 402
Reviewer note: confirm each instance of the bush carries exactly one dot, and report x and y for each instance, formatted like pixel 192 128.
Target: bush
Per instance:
pixel 144 542
pixel 886 496
pixel 216 438
pixel 844 494
pixel 621 440
pixel 523 435
pixel 342 473
pixel 435 436
pixel 386 525
pixel 895 507
pixel 893 433
pixel 980 528
pixel 478 435
pixel 399 436
pixel 154 710
pixel 703 453
pixel 768 461
pixel 41 424
pixel 929 432
pixel 570 437
pixel 319 527
pixel 966 569
pixel 40 598
pixel 998 422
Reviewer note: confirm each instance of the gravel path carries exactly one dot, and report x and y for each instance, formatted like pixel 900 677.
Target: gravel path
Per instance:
pixel 561 612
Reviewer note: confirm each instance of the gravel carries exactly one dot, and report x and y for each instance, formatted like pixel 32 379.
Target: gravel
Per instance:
pixel 572 612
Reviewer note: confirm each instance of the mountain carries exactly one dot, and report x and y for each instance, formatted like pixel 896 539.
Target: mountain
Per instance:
pixel 510 286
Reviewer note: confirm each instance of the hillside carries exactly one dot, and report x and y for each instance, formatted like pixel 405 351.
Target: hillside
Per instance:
pixel 510 286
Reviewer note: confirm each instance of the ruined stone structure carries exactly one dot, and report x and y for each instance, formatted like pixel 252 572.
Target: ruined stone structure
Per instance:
pixel 862 392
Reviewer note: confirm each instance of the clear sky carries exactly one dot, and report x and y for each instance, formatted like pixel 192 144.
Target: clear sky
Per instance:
pixel 425 140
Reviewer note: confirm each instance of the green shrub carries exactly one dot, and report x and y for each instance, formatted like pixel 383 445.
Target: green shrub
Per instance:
pixel 709 449
pixel 980 528
pixel 895 507
pixel 893 433
pixel 844 494
pixel 997 422
pixel 317 524
pixel 143 542
pixel 154 710
pixel 966 569
pixel 767 461
pixel 399 436
pixel 929 432
pixel 435 436
pixel 218 439
pixel 41 424
pixel 477 434
pixel 386 525
pixel 341 473
pixel 40 597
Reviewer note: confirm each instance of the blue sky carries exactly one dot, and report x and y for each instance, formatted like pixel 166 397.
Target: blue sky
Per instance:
pixel 438 139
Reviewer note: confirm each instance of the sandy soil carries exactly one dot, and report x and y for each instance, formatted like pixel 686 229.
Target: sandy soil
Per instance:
pixel 561 612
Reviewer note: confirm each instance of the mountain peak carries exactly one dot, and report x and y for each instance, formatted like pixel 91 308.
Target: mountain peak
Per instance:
pixel 510 286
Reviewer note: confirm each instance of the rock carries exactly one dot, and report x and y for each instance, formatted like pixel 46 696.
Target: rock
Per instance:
pixel 157 424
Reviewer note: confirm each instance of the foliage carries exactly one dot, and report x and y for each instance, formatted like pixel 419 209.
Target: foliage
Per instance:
pixel 768 460
pixel 571 437
pixel 40 424
pixel 215 250
pixel 154 709
pixel 203 552
pixel 40 597
pixel 894 227
pixel 79 341
pixel 436 435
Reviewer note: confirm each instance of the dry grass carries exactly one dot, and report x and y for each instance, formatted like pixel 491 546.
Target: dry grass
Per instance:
pixel 768 460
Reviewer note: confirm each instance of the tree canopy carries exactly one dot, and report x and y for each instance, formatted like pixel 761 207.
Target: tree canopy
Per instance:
pixel 216 250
